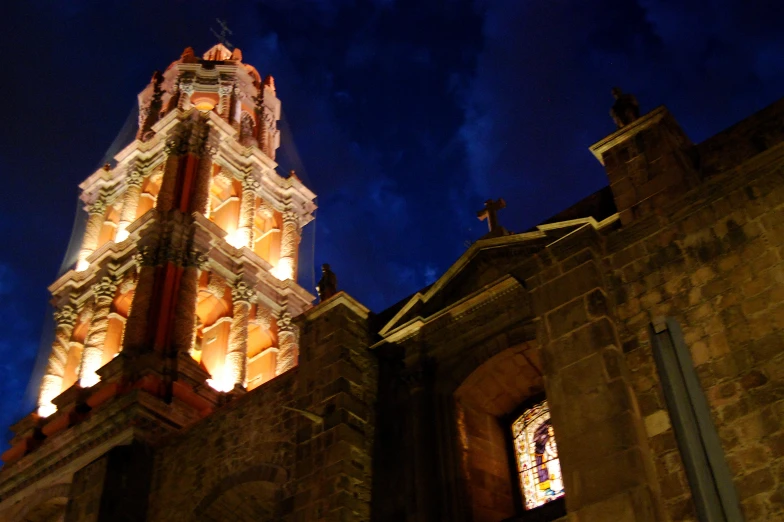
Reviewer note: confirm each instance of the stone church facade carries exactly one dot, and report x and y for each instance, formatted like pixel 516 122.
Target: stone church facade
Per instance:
pixel 623 361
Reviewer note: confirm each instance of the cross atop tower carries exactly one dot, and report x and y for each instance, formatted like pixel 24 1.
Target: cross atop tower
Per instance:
pixel 222 35
pixel 490 213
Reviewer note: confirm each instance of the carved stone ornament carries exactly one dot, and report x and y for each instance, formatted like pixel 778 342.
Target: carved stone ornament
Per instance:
pixel 66 316
pixel 147 256
pixel 211 146
pixel 105 288
pixel 186 86
pixel 99 206
pixel 225 89
pixel 284 322
pixel 249 183
pixel 197 259
pixel 242 292
pixel 289 216
pixel 172 145
pixel 135 177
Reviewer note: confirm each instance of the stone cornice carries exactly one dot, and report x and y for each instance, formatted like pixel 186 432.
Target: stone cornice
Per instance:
pixel 628 131
pixel 457 310
pixel 339 299
pixel 543 232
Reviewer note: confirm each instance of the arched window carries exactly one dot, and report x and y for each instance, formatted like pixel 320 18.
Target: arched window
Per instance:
pixel 536 456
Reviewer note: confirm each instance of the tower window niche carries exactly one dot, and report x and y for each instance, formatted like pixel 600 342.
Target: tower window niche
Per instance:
pixel 535 453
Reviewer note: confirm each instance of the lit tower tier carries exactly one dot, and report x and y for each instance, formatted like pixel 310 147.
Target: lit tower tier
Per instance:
pixel 185 283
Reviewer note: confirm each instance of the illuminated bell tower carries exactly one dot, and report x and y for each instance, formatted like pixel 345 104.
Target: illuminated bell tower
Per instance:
pixel 185 283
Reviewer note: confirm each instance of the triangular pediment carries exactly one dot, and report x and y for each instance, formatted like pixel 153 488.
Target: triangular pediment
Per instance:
pixel 485 262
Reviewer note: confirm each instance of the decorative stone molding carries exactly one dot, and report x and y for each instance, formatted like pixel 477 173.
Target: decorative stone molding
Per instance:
pixel 104 289
pixel 147 255
pixel 196 258
pixel 66 316
pixel 288 344
pixel 99 205
pixel 242 292
pixel 134 177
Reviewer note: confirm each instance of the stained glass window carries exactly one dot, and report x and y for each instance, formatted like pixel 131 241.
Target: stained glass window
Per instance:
pixel 537 457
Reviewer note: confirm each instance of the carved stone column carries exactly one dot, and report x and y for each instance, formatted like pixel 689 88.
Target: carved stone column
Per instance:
pixel 135 337
pixel 247 211
pixel 289 243
pixel 92 356
pixel 288 344
pixel 130 203
pixel 52 383
pixel 237 353
pixel 91 232
pixel 183 331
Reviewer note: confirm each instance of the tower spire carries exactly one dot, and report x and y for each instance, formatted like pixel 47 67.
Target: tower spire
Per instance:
pixel 186 280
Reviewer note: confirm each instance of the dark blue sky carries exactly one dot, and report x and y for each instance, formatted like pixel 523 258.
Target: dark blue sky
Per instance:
pixel 402 115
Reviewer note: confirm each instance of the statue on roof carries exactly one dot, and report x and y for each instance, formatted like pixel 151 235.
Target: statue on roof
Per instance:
pixel 328 284
pixel 625 109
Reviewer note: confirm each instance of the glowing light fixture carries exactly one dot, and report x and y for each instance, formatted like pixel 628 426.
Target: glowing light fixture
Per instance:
pixel 82 265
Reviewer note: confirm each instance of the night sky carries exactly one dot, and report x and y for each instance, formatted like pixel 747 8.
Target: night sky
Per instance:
pixel 402 115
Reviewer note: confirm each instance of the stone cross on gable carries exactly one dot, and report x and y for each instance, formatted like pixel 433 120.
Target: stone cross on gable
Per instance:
pixel 490 213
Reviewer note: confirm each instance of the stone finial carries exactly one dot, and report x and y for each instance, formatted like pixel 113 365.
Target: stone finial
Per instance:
pixel 328 284
pixel 269 81
pixel 490 213
pixel 625 109
pixel 188 55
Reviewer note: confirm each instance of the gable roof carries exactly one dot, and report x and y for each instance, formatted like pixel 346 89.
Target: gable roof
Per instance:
pixel 485 262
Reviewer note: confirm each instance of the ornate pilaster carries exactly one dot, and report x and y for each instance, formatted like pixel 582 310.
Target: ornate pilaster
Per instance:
pixel 91 231
pixel 237 353
pixel 184 328
pixel 135 337
pixel 186 90
pixel 52 383
pixel 92 356
pixel 288 344
pixel 130 203
pixel 165 200
pixel 225 92
pixel 287 265
pixel 201 186
pixel 244 234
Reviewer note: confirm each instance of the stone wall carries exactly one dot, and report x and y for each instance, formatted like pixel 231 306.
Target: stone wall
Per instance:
pixel 302 441
pixel 713 261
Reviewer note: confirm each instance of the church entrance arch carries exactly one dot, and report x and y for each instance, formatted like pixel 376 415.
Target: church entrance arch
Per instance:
pixel 485 404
